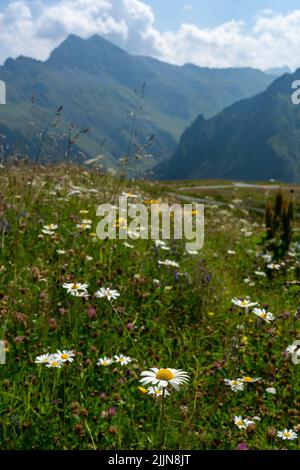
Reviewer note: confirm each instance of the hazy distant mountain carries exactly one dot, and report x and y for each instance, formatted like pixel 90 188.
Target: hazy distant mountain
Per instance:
pixel 254 139
pixel 95 81
pixel 278 70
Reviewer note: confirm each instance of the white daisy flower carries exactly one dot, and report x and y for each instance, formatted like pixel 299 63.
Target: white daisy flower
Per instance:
pixel 60 252
pixel 294 350
pixel 247 379
pixel 54 361
pixel 243 303
pixel 110 294
pixel 76 289
pixel 267 316
pixel 105 361
pixel 260 273
pixel 123 360
pixel 289 435
pixel 274 266
pixel 158 392
pixel 242 423
pixel 43 359
pixel 271 390
pixel 169 262
pixel 164 377
pixel 65 356
pixel 236 385
pixel 51 227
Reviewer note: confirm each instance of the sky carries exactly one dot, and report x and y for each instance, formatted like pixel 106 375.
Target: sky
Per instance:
pixel 212 33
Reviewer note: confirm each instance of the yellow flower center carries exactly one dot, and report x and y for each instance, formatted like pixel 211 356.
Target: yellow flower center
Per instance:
pixel 64 356
pixel 247 379
pixel 239 423
pixel 286 434
pixel 164 374
pixel 263 315
pixel 244 302
pixel 75 286
pixel 143 390
pixel 54 364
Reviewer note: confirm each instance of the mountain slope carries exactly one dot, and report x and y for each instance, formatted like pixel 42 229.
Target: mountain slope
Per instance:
pixel 95 80
pixel 254 139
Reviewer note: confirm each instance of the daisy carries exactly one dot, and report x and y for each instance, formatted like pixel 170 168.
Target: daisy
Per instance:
pixel 243 303
pixel 271 390
pixel 235 385
pixel 158 392
pixel 76 289
pixel 123 360
pixel 54 361
pixel 51 227
pixel 267 316
pixel 294 350
pixel 164 377
pixel 169 262
pixel 274 266
pixel 110 294
pixel 248 379
pixel 60 252
pixel 289 435
pixel 242 423
pixel 104 361
pixel 65 356
pixel 43 359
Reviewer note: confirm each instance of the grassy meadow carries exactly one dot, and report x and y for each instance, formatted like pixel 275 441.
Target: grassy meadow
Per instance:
pixel 178 316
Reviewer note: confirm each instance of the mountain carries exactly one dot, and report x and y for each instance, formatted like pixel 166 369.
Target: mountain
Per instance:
pixel 278 70
pixel 100 86
pixel 254 139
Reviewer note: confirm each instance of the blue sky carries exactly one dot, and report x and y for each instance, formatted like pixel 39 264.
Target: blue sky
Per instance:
pixel 208 13
pixel 213 33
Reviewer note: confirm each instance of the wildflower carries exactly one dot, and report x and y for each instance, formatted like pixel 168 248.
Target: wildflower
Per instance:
pixel 235 385
pixel 76 289
pixel 54 361
pixel 164 377
pixel 65 356
pixel 169 262
pixel 294 350
pixel 243 303
pixel 260 273
pixel 110 294
pixel 192 252
pixel 267 316
pixel 248 379
pixel 43 359
pixel 271 390
pixel 83 212
pixel 105 361
pixel 231 252
pixel 143 390
pixel 242 423
pixel 123 360
pixel 50 228
pixel 289 435
pixel 60 252
pixel 274 266
pixel 242 446
pixel 158 392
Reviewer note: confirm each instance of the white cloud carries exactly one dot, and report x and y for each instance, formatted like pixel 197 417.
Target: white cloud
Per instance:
pixel 34 28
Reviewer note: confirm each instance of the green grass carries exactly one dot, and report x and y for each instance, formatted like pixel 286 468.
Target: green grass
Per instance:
pixel 188 322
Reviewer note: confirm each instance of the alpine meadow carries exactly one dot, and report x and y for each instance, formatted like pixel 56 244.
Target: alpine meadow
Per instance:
pixel 149 229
